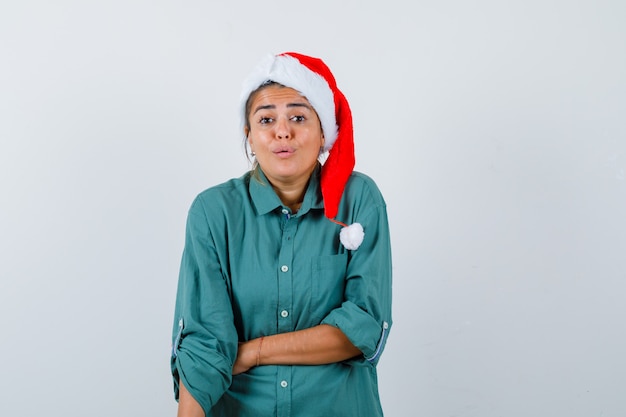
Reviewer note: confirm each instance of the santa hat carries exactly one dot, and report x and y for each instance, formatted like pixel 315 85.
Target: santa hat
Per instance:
pixel 313 79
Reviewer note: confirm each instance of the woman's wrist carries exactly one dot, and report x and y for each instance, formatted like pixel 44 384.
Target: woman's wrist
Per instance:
pixel 247 354
pixel 252 353
pixel 258 352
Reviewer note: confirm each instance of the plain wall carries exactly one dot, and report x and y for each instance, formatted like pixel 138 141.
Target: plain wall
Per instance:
pixel 496 131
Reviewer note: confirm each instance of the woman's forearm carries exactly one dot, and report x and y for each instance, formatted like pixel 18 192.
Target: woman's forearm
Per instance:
pixel 317 345
pixel 187 405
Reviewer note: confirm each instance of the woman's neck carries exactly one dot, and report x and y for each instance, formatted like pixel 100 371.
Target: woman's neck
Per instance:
pixel 291 195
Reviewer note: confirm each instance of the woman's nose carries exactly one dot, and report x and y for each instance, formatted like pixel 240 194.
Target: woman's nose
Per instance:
pixel 283 130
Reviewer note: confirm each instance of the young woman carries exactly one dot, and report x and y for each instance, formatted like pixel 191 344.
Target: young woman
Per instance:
pixel 282 309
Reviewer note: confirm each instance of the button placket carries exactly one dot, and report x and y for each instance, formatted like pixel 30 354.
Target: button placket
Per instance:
pixel 283 391
pixel 285 278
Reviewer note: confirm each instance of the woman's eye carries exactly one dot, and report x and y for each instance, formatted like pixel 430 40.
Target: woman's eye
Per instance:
pixel 298 118
pixel 265 120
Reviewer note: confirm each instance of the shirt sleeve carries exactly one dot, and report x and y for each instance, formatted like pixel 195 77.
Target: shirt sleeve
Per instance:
pixel 365 314
pixel 204 337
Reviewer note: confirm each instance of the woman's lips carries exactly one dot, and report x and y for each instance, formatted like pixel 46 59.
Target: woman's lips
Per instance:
pixel 284 152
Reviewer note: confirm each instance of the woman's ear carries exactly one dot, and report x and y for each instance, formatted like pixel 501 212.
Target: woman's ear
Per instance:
pixel 246 131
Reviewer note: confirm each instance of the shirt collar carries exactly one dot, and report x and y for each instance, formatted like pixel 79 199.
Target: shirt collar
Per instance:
pixel 265 199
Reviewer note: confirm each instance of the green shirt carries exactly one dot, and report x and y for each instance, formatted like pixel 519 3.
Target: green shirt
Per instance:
pixel 251 268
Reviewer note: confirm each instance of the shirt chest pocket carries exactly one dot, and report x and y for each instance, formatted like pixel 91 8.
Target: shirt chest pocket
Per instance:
pixel 328 278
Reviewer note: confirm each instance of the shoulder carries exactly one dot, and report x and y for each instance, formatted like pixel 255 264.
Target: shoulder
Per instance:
pixel 223 196
pixel 362 186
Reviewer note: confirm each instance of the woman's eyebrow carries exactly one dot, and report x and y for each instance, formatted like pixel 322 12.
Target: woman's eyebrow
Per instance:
pixel 265 107
pixel 272 106
pixel 305 105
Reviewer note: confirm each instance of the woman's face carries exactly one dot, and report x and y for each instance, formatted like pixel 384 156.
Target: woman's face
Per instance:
pixel 285 134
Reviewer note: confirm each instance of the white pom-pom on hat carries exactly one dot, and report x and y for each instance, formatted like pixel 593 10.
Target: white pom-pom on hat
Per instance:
pixel 352 236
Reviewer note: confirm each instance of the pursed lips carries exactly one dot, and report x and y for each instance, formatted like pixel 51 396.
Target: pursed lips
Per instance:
pixel 284 151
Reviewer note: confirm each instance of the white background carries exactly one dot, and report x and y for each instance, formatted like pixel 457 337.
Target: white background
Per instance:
pixel 496 131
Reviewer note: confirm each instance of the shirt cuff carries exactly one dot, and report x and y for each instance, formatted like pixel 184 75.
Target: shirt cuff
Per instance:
pixel 363 330
pixel 194 372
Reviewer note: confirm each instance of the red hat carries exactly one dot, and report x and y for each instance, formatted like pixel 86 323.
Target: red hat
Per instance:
pixel 313 79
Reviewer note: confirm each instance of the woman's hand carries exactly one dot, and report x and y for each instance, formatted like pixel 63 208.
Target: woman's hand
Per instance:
pixel 246 356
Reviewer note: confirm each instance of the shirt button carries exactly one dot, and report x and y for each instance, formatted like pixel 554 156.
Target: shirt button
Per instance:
pixel 285 211
pixel 284 268
pixel 284 313
pixel 283 384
